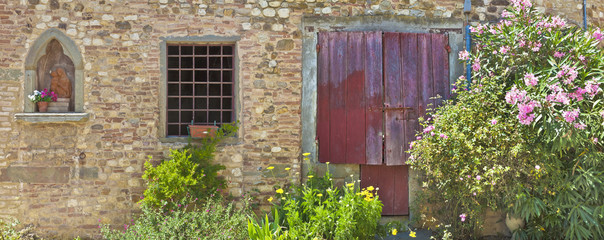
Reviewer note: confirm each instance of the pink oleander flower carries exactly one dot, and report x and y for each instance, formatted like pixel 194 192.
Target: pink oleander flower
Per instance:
pixel 526 120
pixel 559 54
pixel 504 49
pixel 592 88
pixel 494 121
pixel 476 65
pixel 493 31
pixel 598 35
pixel 515 95
pixel 522 4
pixel 537 167
pixel 602 113
pixel 442 135
pixel 580 126
pixel 462 217
pixel 478 177
pixel 595 140
pixel 570 116
pixel 530 79
pixel 558 22
pixel 506 14
pixel 536 46
pixel 582 58
pixel 478 29
pixel 464 55
pixel 428 129
pixel 521 43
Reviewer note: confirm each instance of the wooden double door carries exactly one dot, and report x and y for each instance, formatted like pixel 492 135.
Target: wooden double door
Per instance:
pixel 372 88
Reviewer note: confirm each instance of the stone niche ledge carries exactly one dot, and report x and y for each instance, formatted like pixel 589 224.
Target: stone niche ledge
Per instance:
pixel 52 117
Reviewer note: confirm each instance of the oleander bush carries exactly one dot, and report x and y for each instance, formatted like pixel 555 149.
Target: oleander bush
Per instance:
pixel 526 136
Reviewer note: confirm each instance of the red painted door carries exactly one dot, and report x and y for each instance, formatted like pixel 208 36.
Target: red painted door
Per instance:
pixel 372 88
pixel 349 96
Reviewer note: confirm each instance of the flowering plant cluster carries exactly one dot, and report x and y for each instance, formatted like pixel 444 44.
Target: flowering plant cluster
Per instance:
pixel 525 137
pixel 43 96
pixel 320 210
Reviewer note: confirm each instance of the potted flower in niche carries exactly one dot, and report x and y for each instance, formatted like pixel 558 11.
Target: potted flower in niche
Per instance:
pixel 43 98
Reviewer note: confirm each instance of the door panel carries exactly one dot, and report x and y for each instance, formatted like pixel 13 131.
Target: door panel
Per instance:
pixel 393 188
pixel 355 99
pixel 337 98
pixel 393 100
pixel 411 94
pixel 374 94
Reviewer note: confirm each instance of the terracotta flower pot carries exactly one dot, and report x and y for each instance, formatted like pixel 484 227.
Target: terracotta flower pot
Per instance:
pixel 42 106
pixel 201 131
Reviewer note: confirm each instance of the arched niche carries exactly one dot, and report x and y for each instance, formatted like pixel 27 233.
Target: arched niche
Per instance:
pixel 38 54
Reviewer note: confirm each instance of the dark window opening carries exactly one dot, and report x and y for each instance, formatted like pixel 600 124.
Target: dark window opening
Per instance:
pixel 200 86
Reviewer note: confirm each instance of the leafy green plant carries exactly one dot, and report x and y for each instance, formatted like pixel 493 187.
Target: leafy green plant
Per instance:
pixel 266 229
pixel 9 230
pixel 189 170
pixel 318 210
pixel 216 219
pixel 525 137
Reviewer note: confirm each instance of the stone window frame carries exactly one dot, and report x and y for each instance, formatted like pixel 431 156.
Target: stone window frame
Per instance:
pixel 36 51
pixel 163 98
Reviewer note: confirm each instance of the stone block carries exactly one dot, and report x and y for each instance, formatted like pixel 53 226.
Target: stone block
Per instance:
pixel 35 174
pixel 89 173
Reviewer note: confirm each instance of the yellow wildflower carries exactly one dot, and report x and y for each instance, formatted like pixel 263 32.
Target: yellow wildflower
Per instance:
pixel 327 163
pixel 270 168
pixel 279 190
pixel 319 195
pixel 270 199
pixel 287 169
pixel 310 176
pixel 412 234
pixel 282 198
pixel 305 154
pixel 542 229
pixel 370 188
pixel 306 159
pixel 350 184
pixel 394 232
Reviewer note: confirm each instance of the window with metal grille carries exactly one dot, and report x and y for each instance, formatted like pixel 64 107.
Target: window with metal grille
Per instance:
pixel 200 86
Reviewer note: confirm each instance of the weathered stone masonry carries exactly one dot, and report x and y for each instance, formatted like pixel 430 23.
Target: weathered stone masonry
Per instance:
pixel 66 176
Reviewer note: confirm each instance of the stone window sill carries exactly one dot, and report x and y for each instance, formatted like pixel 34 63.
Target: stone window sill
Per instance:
pixel 38 117
pixel 227 141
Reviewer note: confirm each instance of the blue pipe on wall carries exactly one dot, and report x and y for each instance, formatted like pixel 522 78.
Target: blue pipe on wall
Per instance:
pixel 585 14
pixel 469 49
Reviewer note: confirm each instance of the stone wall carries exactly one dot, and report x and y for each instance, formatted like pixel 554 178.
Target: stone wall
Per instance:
pixel 66 177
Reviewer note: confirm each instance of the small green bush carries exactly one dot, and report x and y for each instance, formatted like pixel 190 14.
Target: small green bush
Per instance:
pixel 188 171
pixel 216 220
pixel 318 210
